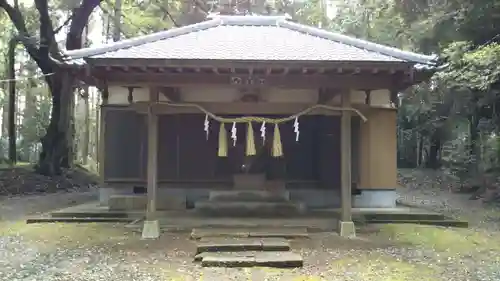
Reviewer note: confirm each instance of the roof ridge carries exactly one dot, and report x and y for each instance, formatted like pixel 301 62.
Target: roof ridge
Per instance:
pixel 359 43
pixel 144 39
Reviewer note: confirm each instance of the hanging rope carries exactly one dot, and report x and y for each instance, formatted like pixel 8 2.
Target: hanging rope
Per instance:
pixel 246 119
pixel 277 147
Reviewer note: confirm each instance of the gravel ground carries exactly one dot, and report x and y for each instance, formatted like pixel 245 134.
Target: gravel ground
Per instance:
pixel 388 253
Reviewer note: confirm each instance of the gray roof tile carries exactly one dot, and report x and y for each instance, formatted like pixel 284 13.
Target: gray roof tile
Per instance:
pixel 249 38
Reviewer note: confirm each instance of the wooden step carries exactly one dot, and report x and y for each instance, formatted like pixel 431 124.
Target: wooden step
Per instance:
pixel 228 244
pixel 250 259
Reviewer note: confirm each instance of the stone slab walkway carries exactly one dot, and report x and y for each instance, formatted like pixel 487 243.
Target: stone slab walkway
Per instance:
pixel 247 247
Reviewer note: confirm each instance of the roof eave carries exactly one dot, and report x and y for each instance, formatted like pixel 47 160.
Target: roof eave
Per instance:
pixel 127 43
pixel 132 62
pixel 363 44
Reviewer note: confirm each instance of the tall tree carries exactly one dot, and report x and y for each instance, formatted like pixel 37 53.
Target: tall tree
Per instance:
pixel 42 47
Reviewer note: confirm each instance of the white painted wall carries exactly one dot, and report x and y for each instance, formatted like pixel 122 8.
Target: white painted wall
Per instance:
pixel 223 94
pixel 119 95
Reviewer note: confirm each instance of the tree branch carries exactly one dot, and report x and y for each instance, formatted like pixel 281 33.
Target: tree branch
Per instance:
pixel 47 35
pixel 80 17
pixel 17 19
pixel 66 22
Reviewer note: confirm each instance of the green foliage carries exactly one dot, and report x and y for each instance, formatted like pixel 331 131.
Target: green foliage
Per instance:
pixel 471 69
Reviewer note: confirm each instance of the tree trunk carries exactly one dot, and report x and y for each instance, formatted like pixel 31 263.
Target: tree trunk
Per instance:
pixel 96 131
pixel 11 54
pixel 5 113
pixel 28 121
pixel 436 143
pixel 86 130
pixel 474 145
pixel 55 144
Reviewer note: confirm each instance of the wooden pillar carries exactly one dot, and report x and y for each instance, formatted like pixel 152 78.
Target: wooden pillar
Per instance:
pixel 151 228
pixel 101 156
pixel 346 226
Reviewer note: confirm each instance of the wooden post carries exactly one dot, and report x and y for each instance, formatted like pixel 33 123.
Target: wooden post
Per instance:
pixel 151 228
pixel 102 134
pixel 346 226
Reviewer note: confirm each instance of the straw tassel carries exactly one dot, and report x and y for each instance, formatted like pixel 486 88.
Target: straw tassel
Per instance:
pixel 250 149
pixel 222 141
pixel 277 149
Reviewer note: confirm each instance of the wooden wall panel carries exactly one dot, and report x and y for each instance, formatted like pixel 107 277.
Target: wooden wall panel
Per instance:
pixel 122 144
pixel 168 147
pixel 299 155
pixel 197 155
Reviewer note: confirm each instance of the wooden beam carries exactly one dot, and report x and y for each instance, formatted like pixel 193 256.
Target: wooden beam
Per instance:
pixel 296 81
pixel 368 98
pixel 105 94
pixel 394 98
pixel 325 95
pixel 130 96
pixel 171 93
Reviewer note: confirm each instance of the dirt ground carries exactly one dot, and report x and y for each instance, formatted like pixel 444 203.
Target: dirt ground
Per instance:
pixel 386 253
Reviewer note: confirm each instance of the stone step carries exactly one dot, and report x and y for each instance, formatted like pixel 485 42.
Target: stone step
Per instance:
pixel 139 202
pixel 250 209
pixel 262 232
pixel 249 181
pixel 250 259
pixel 250 195
pixel 226 244
pixel 78 220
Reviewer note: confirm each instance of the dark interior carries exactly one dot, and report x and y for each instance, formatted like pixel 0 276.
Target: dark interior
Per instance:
pixel 185 153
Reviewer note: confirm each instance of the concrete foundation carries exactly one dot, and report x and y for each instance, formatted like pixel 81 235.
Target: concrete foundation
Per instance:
pixel 136 202
pixel 249 195
pixel 151 229
pixel 375 199
pixel 313 198
pixel 106 192
pixel 347 229
pixel 249 181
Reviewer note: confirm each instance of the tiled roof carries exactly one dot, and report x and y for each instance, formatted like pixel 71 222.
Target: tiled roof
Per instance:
pixel 249 38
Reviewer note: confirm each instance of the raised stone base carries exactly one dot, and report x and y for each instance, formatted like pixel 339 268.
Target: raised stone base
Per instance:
pixel 249 208
pixel 347 229
pixel 249 195
pixel 106 192
pixel 249 181
pixel 151 229
pixel 138 202
pixel 375 199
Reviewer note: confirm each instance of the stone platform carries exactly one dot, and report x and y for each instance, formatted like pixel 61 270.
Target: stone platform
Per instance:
pixel 229 249
pixel 249 203
pixel 312 220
